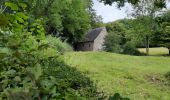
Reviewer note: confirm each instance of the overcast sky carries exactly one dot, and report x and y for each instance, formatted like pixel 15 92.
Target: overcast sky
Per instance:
pixel 112 13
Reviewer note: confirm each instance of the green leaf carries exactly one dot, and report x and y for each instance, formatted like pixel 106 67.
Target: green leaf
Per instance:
pixel 11 72
pixel 18 28
pixel 22 15
pixel 17 78
pixel 23 5
pixel 32 29
pixel 19 19
pixel 36 71
pixel 11 5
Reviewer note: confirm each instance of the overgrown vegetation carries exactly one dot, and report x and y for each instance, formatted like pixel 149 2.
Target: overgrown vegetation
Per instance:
pixel 31 69
pixel 149 27
pixel 31 61
pixel 68 19
pixel 162 35
pixel 120 39
pixel 126 35
pixel 30 64
pixel 59 45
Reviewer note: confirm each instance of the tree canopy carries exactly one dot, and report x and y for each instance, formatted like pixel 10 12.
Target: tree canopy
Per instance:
pixel 68 19
pixel 162 35
pixel 121 3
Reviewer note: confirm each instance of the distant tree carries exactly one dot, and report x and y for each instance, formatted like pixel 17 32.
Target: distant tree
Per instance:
pixel 95 20
pixel 115 39
pixel 120 38
pixel 162 35
pixel 145 13
pixel 158 3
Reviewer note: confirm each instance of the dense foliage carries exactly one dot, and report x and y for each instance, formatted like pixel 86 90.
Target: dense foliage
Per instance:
pixel 162 35
pixel 68 19
pixel 143 31
pixel 60 46
pixel 158 3
pixel 30 64
pixel 120 38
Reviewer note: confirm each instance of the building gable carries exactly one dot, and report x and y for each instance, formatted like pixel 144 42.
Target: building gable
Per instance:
pixel 94 40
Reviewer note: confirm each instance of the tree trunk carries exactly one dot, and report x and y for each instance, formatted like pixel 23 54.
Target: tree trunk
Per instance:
pixel 147 45
pixel 169 51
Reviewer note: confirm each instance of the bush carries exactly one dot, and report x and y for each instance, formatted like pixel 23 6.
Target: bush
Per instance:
pixel 70 82
pixel 112 43
pixel 58 44
pixel 130 49
pixel 116 44
pixel 30 63
pixel 31 69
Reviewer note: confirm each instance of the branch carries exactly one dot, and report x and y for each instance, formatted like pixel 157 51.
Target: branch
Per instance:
pixel 3 9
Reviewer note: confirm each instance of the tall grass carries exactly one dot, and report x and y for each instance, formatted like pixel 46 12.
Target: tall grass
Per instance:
pixel 135 77
pixel 59 45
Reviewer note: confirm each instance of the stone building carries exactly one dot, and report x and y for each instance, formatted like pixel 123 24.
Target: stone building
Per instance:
pixel 93 41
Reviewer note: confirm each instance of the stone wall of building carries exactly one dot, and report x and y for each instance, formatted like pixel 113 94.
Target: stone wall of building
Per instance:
pixel 96 44
pixel 85 46
pixel 99 41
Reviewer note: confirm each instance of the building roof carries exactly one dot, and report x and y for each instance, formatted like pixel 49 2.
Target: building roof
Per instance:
pixel 93 34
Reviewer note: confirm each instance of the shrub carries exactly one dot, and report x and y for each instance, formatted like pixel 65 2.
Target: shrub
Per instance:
pixel 112 43
pixel 116 44
pixel 33 70
pixel 58 44
pixel 70 82
pixel 130 49
pixel 31 67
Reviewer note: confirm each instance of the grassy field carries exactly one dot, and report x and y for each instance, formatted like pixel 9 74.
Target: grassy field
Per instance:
pixel 136 77
pixel 157 51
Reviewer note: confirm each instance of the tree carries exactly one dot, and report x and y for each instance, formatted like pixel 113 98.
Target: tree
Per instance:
pixel 95 20
pixel 75 21
pixel 120 38
pixel 30 66
pixel 68 19
pixel 145 12
pixel 115 39
pixel 158 3
pixel 162 36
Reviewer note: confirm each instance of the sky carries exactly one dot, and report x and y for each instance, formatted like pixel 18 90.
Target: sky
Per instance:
pixel 112 13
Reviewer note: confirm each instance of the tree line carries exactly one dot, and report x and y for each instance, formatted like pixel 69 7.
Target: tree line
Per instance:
pixel 149 27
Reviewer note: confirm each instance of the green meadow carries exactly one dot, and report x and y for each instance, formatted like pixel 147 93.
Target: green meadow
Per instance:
pixel 135 77
pixel 156 51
